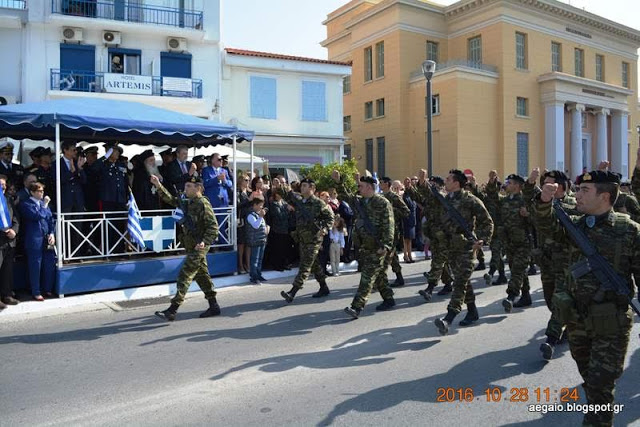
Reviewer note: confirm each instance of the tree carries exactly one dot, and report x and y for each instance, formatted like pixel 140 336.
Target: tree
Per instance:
pixel 322 175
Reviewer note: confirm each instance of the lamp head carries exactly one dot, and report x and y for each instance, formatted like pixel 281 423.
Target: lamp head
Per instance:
pixel 428 68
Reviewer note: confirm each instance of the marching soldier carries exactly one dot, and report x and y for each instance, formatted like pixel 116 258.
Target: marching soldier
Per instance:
pixel 400 212
pixel 314 218
pixel 200 230
pixel 598 319
pixel 374 228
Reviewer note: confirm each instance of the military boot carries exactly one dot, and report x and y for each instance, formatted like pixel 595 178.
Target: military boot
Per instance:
pixel 524 301
pixel 447 289
pixel 323 291
pixel 444 323
pixel 532 270
pixel 501 280
pixel 387 304
pixel 547 348
pixel 169 314
pixel 472 315
pixel 481 266
pixel 488 277
pixel 288 296
pixel 213 310
pixel 399 281
pixel 353 312
pixel 507 303
pixel 426 293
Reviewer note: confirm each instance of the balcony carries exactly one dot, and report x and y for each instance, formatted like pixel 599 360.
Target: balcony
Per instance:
pixel 127 11
pixel 97 82
pixel 13 4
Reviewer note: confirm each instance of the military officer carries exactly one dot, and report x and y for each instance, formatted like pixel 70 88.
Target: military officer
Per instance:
pixel 400 212
pixel 13 171
pixel 598 321
pixel 314 218
pixel 374 229
pixel 200 230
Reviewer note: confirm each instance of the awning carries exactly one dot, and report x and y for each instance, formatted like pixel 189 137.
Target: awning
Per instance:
pixel 95 119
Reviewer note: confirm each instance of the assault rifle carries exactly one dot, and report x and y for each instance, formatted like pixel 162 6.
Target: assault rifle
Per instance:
pixel 454 214
pixel 594 263
pixel 368 225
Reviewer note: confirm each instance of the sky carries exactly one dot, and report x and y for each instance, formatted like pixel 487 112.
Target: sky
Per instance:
pixel 294 27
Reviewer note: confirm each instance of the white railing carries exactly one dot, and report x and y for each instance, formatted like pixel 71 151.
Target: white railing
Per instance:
pixel 103 235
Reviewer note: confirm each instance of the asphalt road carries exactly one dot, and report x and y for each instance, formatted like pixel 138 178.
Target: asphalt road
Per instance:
pixel 264 362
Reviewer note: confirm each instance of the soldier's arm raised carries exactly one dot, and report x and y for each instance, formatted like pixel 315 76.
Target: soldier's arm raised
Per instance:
pixel 164 194
pixel 546 221
pixel 343 191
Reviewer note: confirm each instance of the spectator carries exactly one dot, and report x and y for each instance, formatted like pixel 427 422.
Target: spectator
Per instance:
pixel 13 172
pixel 93 180
pixel 72 178
pixel 167 157
pixel 39 241
pixel 409 225
pixel 199 161
pixel 35 159
pixel 336 237
pixel 279 245
pixel 179 171
pixel 7 250
pixel 257 232
pixel 24 193
pixel 44 175
pixel 257 188
pixel 216 182
pixel 243 209
pixel 144 192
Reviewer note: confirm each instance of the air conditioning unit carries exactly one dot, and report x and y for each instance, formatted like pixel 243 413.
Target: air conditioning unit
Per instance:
pixel 6 100
pixel 71 34
pixel 111 37
pixel 176 44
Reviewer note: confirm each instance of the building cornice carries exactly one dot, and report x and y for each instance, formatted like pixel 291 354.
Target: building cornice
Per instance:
pixel 587 83
pixel 381 7
pixel 346 9
pixel 285 65
pixel 335 38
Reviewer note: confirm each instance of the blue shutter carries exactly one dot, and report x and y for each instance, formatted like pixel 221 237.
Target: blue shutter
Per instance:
pixel 78 57
pixel 263 97
pixel 523 154
pixel 314 105
pixel 175 65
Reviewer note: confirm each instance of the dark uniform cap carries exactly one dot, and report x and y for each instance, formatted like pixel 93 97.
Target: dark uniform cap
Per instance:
pixel 368 179
pixel 195 179
pixel 46 152
pixel 386 180
pixel 109 145
pixel 166 152
pixel 599 177
pixel 92 149
pixel 515 177
pixel 308 181
pixel 437 179
pixel 625 184
pixel 36 152
pixel 225 157
pixel 558 176
pixel 461 177
pixel 199 158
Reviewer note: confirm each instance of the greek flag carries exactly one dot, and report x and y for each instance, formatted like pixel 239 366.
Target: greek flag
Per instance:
pixel 5 217
pixel 133 223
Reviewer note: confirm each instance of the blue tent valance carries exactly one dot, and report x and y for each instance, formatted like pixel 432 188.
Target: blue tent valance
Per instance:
pixel 95 119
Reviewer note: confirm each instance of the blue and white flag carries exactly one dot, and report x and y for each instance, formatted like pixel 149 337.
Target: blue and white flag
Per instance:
pixel 133 223
pixel 5 216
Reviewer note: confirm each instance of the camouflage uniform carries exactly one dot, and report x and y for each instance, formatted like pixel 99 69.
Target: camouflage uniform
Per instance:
pixel 400 211
pixel 496 247
pixel 313 218
pixel 598 332
pixel 627 203
pixel 206 230
pixel 635 182
pixel 374 266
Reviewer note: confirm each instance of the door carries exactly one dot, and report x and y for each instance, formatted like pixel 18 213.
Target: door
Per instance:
pixel 77 67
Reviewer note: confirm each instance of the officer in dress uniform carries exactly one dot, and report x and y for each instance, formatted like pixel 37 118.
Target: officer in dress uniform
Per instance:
pixel 13 171
pixel 113 190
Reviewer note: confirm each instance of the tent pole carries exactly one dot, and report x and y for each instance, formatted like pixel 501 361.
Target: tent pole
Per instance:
pixel 251 160
pixel 59 230
pixel 235 178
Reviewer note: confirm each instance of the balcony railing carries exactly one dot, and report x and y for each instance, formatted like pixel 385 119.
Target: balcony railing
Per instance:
pixel 129 11
pixel 13 4
pixel 87 81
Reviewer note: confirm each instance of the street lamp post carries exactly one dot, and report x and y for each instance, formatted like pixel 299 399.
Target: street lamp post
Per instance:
pixel 428 68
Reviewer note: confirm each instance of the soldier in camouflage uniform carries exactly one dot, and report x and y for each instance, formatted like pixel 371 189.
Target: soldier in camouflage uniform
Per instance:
pixel 514 218
pixel 552 259
pixel 313 220
pixel 400 212
pixel 635 179
pixel 433 231
pixel 374 227
pixel 599 328
pixel 626 202
pixel 461 249
pixel 199 231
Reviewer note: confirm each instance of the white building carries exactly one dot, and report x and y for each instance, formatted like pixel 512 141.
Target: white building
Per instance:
pixel 293 104
pixel 160 52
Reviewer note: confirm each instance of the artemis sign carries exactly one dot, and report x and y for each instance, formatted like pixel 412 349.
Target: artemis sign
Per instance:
pixel 127 83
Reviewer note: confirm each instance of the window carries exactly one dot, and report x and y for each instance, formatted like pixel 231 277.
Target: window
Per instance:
pixel 263 97
pixel 369 154
pixel 556 57
pixel 346 123
pixel 625 74
pixel 474 47
pixel 579 62
pixel 347 151
pixel 175 65
pixel 381 156
pixel 124 61
pixel 368 65
pixel 523 154
pixel 522 107
pixel 600 68
pixel 379 60
pixel 380 107
pixel 432 51
pixel 521 51
pixel 346 85
pixel 368 110
pixel 314 104
pixel 435 105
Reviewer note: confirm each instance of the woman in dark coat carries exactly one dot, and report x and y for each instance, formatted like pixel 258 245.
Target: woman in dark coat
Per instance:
pixel 409 224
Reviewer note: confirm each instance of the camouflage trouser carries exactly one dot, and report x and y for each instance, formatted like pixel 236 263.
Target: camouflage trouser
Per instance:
pixel 461 261
pixel 497 251
pixel 480 256
pixel 439 265
pixel 518 257
pixel 600 360
pixel 548 278
pixel 393 255
pixel 194 268
pixel 374 272
pixel 309 263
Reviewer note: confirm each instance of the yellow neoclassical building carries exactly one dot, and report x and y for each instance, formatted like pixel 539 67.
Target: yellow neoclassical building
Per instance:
pixel 519 84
